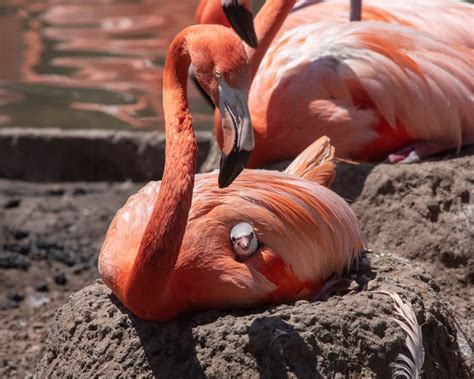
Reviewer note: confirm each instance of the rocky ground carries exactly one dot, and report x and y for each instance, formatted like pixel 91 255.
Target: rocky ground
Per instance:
pixel 50 235
pixel 93 335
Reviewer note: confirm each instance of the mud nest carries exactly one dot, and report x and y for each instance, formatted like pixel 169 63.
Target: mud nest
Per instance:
pixel 94 335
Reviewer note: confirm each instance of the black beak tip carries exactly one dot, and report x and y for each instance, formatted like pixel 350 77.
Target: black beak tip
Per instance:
pixel 241 20
pixel 231 166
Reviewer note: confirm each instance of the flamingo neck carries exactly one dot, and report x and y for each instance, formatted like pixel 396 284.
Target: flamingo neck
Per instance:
pixel 150 277
pixel 267 23
pixel 210 12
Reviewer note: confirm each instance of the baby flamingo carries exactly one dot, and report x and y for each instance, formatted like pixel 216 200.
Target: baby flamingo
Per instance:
pixel 169 249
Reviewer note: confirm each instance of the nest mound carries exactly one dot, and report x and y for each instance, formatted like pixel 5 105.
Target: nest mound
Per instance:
pixel 94 335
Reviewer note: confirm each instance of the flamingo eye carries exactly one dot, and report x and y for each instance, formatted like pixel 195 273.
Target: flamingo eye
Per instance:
pixel 218 75
pixel 233 239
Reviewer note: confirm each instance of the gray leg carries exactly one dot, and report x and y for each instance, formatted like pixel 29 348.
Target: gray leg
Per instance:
pixel 356 10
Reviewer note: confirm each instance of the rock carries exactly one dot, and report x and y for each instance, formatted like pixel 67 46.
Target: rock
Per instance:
pixel 14 260
pixel 13 203
pixel 94 335
pixel 423 212
pixel 86 154
pixel 19 234
pixel 16 297
pixel 60 279
pixel 42 287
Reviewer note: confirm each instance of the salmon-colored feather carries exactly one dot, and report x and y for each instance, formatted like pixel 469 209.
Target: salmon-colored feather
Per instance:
pixel 315 163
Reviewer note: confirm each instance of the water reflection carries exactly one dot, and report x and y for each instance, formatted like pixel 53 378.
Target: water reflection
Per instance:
pixel 89 63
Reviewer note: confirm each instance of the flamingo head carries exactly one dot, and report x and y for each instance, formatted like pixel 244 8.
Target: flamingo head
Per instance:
pixel 243 239
pixel 220 65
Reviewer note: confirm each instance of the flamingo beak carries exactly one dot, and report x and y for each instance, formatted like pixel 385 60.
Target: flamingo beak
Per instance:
pixel 241 20
pixel 237 131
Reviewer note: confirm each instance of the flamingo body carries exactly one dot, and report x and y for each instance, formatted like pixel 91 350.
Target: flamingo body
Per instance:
pixel 307 233
pixel 371 87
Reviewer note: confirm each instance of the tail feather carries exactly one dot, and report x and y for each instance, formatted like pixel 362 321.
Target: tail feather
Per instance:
pixel 315 163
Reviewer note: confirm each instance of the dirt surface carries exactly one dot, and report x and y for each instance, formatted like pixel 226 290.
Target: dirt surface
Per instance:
pixel 424 212
pixel 50 235
pixel 93 335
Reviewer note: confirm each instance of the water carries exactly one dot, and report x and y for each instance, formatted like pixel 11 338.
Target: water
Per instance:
pixel 89 63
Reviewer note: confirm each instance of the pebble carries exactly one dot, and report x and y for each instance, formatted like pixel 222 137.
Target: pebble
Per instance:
pixel 42 287
pixel 60 279
pixel 16 296
pixel 19 234
pixel 372 285
pixel 13 260
pixel 14 203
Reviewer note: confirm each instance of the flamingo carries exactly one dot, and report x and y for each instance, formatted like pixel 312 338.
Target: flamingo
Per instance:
pixel 169 249
pixel 378 90
pixel 447 20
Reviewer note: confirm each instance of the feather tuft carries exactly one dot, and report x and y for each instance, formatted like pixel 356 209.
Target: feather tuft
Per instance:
pixel 408 366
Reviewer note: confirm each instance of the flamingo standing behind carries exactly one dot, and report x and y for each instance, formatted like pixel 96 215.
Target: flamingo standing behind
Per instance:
pixel 168 250
pixel 374 88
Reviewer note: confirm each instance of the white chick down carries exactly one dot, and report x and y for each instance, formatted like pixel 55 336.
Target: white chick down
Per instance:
pixel 243 239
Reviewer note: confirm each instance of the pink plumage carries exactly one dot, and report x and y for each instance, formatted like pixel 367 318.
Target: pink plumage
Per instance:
pixel 371 87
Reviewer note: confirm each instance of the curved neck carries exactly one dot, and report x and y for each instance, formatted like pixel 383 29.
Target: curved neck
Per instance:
pixel 150 276
pixel 267 24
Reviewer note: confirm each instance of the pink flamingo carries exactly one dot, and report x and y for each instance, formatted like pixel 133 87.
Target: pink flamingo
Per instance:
pixel 376 89
pixel 447 20
pixel 171 248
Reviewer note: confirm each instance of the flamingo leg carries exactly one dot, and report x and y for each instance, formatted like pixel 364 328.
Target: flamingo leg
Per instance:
pixel 423 150
pixel 354 279
pixel 332 286
pixel 355 10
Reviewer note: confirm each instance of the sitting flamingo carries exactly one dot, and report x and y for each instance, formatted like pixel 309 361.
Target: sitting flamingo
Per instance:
pixel 376 89
pixel 170 248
